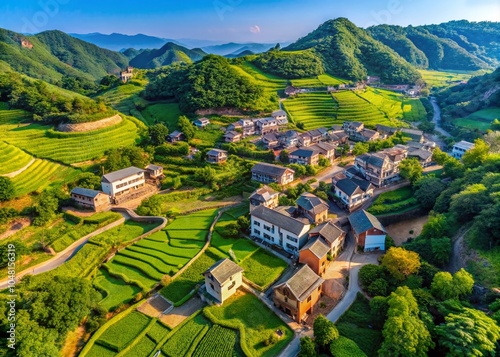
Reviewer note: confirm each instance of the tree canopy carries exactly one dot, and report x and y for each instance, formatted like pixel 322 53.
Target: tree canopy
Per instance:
pixel 401 262
pixel 6 189
pixel 445 286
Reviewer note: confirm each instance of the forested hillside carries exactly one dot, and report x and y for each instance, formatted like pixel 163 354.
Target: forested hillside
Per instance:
pixel 210 83
pixel 455 45
pixel 168 54
pixel 290 65
pixel 350 52
pixel 52 55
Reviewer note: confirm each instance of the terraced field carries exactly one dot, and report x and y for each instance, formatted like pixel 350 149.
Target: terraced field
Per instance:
pixel 439 79
pixel 12 116
pixel 144 263
pixel 313 109
pixel 413 110
pixel 69 148
pixel 116 290
pixel 323 80
pixel 42 174
pixel 13 158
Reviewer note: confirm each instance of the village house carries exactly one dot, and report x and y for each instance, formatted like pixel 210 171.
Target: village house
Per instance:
pixel 247 127
pixel 377 168
pixel 90 199
pixel 312 207
pixel 289 139
pixel 368 231
pixel 232 136
pixel 291 91
pixel 460 148
pixel 317 135
pixel 304 156
pixel 201 123
pixel 337 138
pixel 298 295
pixel 223 279
pixel 372 80
pixel 325 150
pixel 423 156
pixel 280 117
pixel 331 235
pixel 264 196
pixel 305 139
pixel 127 74
pixel 278 228
pixel 352 192
pixel 414 134
pixel 123 181
pixel 271 140
pixel 267 173
pixel 396 155
pixel 175 136
pixel 154 172
pixel 265 126
pixel 314 254
pixel 216 156
pixel 396 87
pixel 369 135
pixel 353 128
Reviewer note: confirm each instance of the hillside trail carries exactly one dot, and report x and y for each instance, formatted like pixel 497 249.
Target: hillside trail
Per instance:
pixel 21 170
pixel 459 253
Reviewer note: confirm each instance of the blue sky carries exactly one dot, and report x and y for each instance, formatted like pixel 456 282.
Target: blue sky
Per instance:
pixel 231 20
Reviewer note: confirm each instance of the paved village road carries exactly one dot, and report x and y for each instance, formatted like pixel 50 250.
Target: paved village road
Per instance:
pixel 436 119
pixel 60 257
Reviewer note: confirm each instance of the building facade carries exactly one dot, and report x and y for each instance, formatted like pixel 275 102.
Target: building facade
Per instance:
pixel 223 279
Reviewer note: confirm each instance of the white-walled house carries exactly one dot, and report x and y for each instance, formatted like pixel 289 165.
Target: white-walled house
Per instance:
pixel 275 227
pixel 223 279
pixel 460 148
pixel 368 231
pixel 123 181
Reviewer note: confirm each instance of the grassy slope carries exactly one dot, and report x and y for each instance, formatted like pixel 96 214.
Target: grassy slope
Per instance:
pixel 479 120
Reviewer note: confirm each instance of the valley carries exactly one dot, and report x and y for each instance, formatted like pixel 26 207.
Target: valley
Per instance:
pixel 168 201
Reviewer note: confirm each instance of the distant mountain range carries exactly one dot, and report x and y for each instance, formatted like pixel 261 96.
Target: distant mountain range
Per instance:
pixel 166 55
pixel 120 42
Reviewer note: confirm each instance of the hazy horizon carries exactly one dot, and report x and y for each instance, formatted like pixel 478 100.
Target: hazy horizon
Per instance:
pixel 231 20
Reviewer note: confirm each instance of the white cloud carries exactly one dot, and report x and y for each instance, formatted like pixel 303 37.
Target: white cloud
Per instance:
pixel 255 29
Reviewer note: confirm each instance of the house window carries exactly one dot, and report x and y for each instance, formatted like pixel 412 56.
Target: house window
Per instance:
pixel 319 288
pixel 231 286
pixel 322 264
pixel 292 239
pixel 212 286
pixel 309 299
pixel 267 236
pixel 257 223
pixel 286 299
pixel 256 231
pixel 267 228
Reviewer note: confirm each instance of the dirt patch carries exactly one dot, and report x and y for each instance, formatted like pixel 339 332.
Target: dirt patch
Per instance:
pixel 82 127
pixel 78 212
pixel 179 314
pixel 15 227
pixel 155 306
pixel 406 229
pixel 74 342
pixel 323 307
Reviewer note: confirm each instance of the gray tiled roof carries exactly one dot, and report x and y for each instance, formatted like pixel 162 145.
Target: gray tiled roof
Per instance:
pixel 317 247
pixel 263 194
pixel 85 192
pixel 269 169
pixel 232 134
pixel 361 221
pixel 223 270
pixel 421 154
pixel 153 167
pixel 347 186
pixel 278 219
pixel 311 202
pixel 303 283
pixel 304 152
pixel 376 159
pixel 328 230
pixel 323 147
pixel 175 134
pixel 412 131
pixel 279 113
pixel 216 152
pixel 121 174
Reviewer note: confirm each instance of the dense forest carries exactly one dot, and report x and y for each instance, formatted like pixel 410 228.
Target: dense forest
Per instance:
pixel 168 54
pixel 290 65
pixel 210 83
pixel 455 45
pixel 350 52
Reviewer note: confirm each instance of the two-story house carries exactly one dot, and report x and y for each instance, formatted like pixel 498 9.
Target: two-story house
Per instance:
pixel 216 156
pixel 368 231
pixel 223 279
pixel 376 168
pixel 271 140
pixel 90 199
pixel 331 234
pixel 232 136
pixel 201 123
pixel 280 117
pixel 267 173
pixel 325 150
pixel 123 181
pixel 276 227
pixel 314 254
pixel 247 127
pixel 289 139
pixel 460 148
pixel 312 207
pixel 352 192
pixel 266 125
pixel 264 196
pixel 298 295
pixel 304 156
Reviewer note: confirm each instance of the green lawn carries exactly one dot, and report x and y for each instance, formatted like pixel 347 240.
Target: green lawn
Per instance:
pixel 263 268
pixel 247 312
pixel 440 79
pixel 166 113
pixel 356 325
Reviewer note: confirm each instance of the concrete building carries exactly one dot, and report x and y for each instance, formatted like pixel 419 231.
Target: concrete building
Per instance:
pixel 123 181
pixel 223 279
pixel 90 199
pixel 267 173
pixel 460 148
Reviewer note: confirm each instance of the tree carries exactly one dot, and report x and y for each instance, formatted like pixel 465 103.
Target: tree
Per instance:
pixel 360 149
pixel 6 188
pixel 427 190
pixel 400 262
pixel 453 168
pixel 158 134
pixel 404 333
pixel 307 347
pixel 89 180
pixel 369 273
pixel 324 331
pixel 439 156
pixel 244 223
pixel 284 157
pixel 124 157
pixel 441 250
pixel 468 333
pixel 470 201
pixel 411 169
pixel 46 206
pixel 445 286
pixel 378 310
pixel 476 156
pixel 436 226
pixel 186 127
